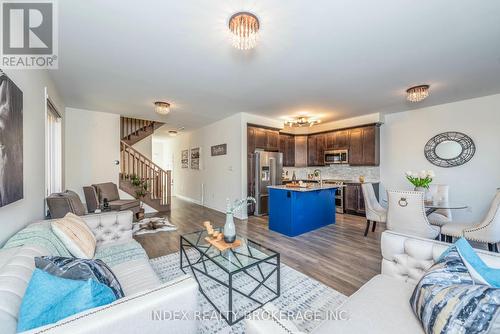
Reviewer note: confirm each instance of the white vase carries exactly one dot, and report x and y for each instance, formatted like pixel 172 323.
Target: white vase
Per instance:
pixel 229 229
pixel 427 194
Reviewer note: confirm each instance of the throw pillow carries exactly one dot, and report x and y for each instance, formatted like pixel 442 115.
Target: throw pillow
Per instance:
pixel 481 273
pixel 448 300
pixel 80 269
pixel 75 235
pixel 49 298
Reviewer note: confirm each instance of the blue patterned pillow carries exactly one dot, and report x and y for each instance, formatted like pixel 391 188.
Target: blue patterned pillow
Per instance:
pixel 447 300
pixel 80 269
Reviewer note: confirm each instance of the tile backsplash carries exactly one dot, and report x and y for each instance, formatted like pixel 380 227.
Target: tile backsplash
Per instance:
pixel 338 172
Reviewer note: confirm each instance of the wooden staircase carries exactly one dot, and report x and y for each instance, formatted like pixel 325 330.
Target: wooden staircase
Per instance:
pixel 134 164
pixel 133 130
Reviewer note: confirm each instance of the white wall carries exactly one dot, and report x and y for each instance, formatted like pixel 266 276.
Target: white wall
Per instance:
pixel 404 135
pixel 145 147
pixel 92 146
pixel 219 177
pixel 16 215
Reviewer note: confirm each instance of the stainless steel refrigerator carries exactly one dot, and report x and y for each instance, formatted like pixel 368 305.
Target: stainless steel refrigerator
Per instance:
pixel 268 172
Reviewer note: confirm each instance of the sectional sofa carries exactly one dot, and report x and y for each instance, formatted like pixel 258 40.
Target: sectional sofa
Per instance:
pixel 144 292
pixel 381 306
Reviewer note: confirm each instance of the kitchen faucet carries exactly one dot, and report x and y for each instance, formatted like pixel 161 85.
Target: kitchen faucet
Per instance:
pixel 317 173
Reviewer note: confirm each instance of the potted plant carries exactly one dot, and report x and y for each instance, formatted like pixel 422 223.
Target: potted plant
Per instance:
pixel 232 208
pixel 421 181
pixel 141 190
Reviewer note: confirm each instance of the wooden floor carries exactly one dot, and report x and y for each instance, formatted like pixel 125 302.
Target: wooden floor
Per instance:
pixel 337 255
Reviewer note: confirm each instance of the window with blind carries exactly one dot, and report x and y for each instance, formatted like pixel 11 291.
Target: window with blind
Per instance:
pixel 53 150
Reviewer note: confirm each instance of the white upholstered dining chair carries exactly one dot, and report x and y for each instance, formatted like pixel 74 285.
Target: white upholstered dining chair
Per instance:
pixel 375 212
pixel 439 193
pixel 406 214
pixel 487 231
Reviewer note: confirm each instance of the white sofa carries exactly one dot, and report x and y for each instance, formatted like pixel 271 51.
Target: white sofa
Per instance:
pixel 144 293
pixel 381 306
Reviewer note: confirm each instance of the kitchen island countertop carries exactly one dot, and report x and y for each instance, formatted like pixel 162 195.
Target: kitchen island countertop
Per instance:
pixel 305 189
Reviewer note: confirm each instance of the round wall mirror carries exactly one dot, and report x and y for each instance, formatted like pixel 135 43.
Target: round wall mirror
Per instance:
pixel 449 149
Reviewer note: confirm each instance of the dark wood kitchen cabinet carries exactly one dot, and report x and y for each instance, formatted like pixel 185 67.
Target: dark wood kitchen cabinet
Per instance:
pixel 330 140
pixel 354 200
pixel 316 149
pixel 287 147
pixel 341 139
pixel 261 138
pixel 364 146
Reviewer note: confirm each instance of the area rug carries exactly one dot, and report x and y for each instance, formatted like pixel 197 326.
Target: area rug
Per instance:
pixel 136 229
pixel 300 294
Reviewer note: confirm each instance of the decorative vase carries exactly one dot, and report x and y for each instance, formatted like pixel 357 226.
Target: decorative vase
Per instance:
pixel 427 194
pixel 229 229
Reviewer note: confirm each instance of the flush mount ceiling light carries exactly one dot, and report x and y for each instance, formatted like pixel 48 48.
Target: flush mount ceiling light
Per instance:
pixel 162 108
pixel 302 121
pixel 417 93
pixel 244 27
pixel 172 133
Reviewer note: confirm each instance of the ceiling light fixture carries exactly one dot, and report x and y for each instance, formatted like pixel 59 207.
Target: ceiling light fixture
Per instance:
pixel 172 133
pixel 162 108
pixel 302 121
pixel 417 93
pixel 245 27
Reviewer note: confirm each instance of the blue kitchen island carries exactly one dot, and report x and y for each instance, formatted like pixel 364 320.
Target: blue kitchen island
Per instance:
pixel 294 211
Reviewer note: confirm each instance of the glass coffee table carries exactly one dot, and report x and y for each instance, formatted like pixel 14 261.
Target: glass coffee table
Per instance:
pixel 235 281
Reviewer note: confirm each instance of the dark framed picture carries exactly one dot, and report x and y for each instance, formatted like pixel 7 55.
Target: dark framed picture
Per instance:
pixel 219 150
pixel 195 158
pixel 184 158
pixel 11 141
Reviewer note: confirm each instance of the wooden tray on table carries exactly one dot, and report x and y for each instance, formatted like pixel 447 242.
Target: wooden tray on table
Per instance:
pixel 222 245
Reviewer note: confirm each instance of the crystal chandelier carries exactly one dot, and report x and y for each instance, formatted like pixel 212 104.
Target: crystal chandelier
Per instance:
pixel 417 93
pixel 302 121
pixel 244 27
pixel 162 108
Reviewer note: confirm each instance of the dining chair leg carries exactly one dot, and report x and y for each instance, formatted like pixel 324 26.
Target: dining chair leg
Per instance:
pixel 490 247
pixel 367 227
pixel 374 226
pixel 449 239
pixel 442 237
pixel 495 247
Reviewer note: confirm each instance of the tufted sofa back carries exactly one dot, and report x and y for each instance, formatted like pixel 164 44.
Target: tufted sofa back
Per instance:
pixel 407 257
pixel 110 227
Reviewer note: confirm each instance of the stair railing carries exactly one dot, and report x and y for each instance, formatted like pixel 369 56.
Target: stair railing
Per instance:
pixel 158 180
pixel 130 126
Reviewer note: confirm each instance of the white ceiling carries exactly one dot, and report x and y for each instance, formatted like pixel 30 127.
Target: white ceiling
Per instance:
pixel 332 58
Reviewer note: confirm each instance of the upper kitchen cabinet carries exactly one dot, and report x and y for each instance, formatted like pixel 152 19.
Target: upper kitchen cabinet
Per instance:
pixel 273 140
pixel 287 147
pixel 341 140
pixel 330 140
pixel 316 149
pixel 364 146
pixel 261 138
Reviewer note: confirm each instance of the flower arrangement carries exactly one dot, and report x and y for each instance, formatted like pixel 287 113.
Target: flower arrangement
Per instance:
pixel 422 179
pixel 238 204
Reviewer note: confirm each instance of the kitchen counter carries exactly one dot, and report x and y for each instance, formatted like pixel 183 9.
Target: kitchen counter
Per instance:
pixel 294 211
pixel 313 188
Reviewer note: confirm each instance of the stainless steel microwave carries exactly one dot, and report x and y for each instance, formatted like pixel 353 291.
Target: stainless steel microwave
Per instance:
pixel 336 157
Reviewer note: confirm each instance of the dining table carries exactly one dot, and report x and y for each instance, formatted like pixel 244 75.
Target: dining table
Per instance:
pixel 432 206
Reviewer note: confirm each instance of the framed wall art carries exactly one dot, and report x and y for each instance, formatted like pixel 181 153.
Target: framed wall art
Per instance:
pixel 11 141
pixel 184 158
pixel 195 158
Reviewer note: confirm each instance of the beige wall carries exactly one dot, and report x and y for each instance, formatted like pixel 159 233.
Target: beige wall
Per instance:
pixel 33 83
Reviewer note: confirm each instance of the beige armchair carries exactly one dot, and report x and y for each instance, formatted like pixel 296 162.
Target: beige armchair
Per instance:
pixel 406 214
pixel 374 211
pixel 487 231
pixel 97 193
